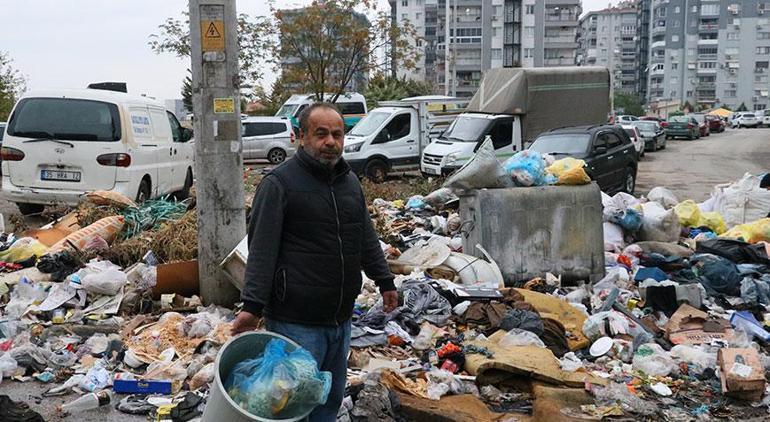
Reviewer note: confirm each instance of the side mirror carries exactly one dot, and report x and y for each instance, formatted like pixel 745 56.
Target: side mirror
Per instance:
pixel 187 134
pixel 600 150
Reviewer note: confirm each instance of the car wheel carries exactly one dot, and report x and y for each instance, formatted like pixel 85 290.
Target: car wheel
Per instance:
pixel 184 193
pixel 376 170
pixel 144 192
pixel 629 181
pixel 276 156
pixel 29 209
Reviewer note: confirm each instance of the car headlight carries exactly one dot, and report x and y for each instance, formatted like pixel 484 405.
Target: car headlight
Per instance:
pixel 354 147
pixel 451 158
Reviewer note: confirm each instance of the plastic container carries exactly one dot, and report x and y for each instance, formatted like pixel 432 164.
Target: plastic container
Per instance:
pixel 220 407
pixel 89 401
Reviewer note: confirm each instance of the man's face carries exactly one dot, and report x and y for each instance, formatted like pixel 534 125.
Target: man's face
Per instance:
pixel 325 136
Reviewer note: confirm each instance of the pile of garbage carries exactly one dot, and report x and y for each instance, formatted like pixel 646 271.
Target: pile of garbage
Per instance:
pixel 677 329
pixel 101 306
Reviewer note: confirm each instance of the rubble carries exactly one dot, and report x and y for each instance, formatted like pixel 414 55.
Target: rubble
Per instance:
pixel 105 299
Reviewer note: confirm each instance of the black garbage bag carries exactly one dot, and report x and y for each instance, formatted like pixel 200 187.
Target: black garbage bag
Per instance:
pixel 525 320
pixel 736 251
pixel 16 411
pixel 59 265
pixel 718 275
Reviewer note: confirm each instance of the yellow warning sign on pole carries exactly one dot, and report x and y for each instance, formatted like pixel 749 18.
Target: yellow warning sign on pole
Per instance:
pixel 212 28
pixel 224 105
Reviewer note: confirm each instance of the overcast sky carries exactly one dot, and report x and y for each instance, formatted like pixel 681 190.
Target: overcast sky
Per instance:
pixel 68 44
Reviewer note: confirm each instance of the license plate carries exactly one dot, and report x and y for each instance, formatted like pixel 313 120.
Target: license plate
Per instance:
pixel 431 170
pixel 60 175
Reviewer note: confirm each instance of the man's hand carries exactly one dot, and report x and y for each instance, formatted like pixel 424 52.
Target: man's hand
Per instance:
pixel 244 321
pixel 389 301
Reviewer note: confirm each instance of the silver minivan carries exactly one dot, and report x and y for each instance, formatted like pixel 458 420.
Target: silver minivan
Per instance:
pixel 270 138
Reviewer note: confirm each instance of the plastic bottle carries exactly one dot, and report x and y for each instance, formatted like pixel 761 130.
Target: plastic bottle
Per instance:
pixel 89 401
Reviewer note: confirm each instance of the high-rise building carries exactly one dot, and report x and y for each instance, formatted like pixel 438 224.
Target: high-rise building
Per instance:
pixel 487 34
pixel 643 11
pixel 608 38
pixel 709 53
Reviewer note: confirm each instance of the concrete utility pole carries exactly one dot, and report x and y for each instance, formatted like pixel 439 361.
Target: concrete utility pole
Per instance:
pixel 218 160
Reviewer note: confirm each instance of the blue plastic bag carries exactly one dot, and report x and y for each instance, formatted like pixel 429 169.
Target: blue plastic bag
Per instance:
pixel 527 168
pixel 278 384
pixel 630 220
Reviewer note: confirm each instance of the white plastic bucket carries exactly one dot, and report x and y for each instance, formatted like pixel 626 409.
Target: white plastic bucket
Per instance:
pixel 220 407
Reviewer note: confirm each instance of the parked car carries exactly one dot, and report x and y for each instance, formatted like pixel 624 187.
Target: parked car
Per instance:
pixel 716 124
pixel 270 138
pixel 734 119
pixel 609 154
pixel 682 126
pixel 636 138
pixel 765 119
pixel 2 132
pixel 60 144
pixel 625 118
pixel 652 134
pixel 703 126
pixel 748 120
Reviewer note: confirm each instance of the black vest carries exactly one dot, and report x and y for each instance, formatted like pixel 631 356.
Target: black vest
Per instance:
pixel 318 271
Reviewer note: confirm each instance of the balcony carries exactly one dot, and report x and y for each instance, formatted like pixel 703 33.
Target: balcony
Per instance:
pixel 658 30
pixel 468 83
pixel 707 56
pixel 708 27
pixel 658 72
pixel 760 70
pixel 559 39
pixel 708 42
pixel 658 44
pixel 707 85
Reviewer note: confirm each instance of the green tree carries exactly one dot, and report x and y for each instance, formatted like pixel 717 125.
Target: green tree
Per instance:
pixel 273 100
pixel 382 88
pixel 629 103
pixel 254 41
pixel 687 107
pixel 187 91
pixel 328 43
pixel 742 107
pixel 12 85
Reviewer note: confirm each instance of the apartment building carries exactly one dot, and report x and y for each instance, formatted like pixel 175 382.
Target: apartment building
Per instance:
pixel 608 38
pixel 709 53
pixel 485 34
pixel 643 11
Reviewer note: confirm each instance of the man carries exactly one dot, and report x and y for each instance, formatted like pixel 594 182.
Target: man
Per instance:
pixel 310 235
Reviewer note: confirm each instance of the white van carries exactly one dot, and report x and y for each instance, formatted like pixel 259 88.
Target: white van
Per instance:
pixel 60 144
pixel 392 136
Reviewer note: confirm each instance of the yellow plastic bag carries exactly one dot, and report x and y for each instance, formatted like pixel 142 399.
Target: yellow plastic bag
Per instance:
pixel 569 171
pixel 22 250
pixel 688 212
pixel 714 221
pixel 756 231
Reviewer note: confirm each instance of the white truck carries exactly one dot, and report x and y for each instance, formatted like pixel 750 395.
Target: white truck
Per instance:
pixel 392 136
pixel 515 105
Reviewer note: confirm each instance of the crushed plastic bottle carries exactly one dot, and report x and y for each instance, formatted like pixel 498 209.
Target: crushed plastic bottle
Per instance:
pixel 89 401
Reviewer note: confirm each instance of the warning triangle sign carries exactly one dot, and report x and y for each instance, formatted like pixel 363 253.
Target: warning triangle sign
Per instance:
pixel 213 32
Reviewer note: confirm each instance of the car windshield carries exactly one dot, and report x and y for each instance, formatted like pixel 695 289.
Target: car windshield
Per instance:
pixel 65 119
pixel 287 110
pixel 562 144
pixel 466 129
pixel 679 119
pixel 369 124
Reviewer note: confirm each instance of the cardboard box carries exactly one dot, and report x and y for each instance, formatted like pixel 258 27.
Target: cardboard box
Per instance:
pixel 693 326
pixel 235 263
pixel 177 277
pixel 742 373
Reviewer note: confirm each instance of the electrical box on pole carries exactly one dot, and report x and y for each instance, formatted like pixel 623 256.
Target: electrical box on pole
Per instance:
pixel 218 159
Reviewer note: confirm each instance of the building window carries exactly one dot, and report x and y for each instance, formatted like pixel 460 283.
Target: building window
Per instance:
pixel 404 16
pixel 707 65
pixel 709 10
pixel 733 21
pixel 674 66
pixel 733 36
pixel 760 107
pixel 528 53
pixel 695 9
pixel 417 16
pixel 405 3
pixel 604 51
pixel 529 9
pixel 763 35
pixel 675 38
pixel 529 31
pixel 689 94
pixel 497 53
pixel 691 51
pixel 673 94
pixel 763 50
pixel 730 93
pixel 674 80
pixel 677 9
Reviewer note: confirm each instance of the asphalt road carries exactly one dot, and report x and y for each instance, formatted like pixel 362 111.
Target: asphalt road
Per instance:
pixel 691 169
